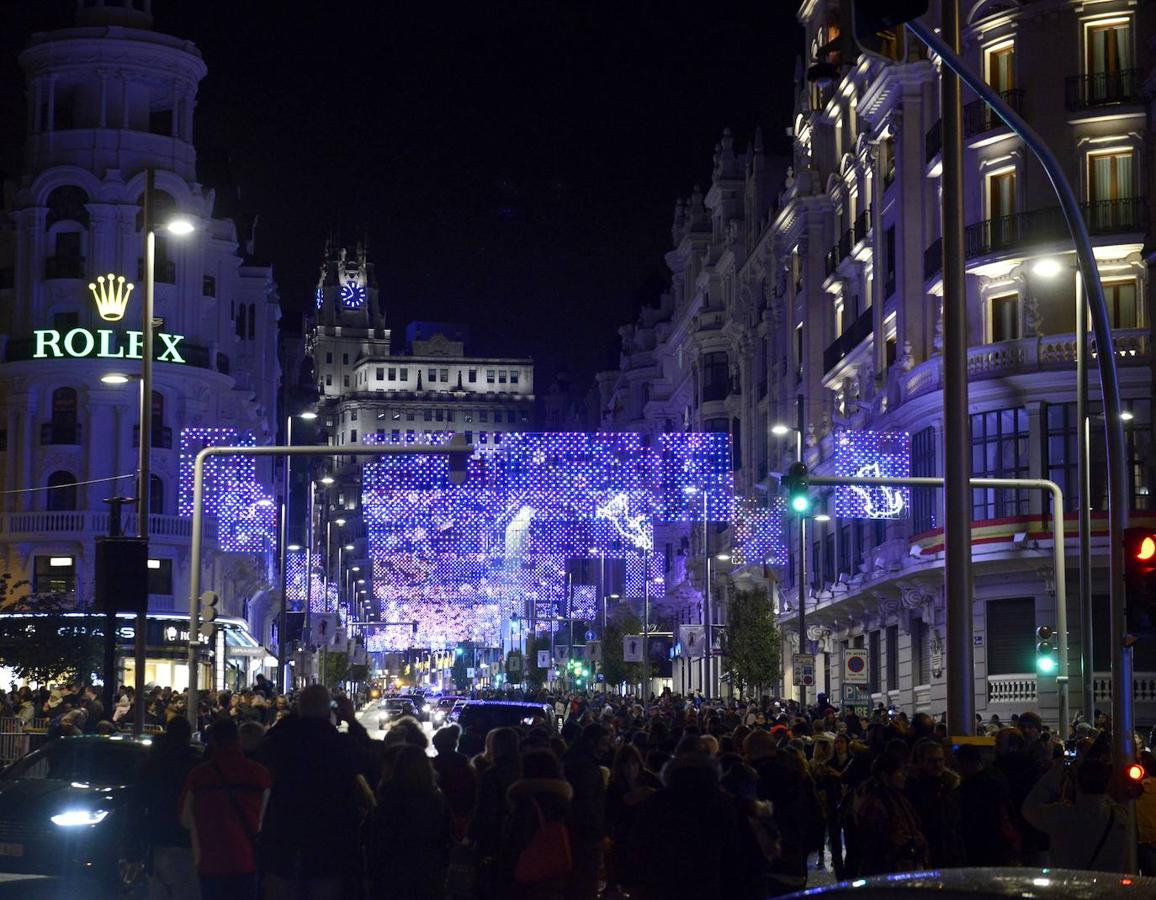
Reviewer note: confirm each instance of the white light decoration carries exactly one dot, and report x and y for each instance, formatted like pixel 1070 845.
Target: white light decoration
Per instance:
pixel 872 454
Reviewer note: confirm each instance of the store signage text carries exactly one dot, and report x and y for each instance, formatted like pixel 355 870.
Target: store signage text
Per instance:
pixel 80 343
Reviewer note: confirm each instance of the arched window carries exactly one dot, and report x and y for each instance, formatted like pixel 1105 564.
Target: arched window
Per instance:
pixel 62 493
pixel 156 495
pixel 64 427
pixel 67 203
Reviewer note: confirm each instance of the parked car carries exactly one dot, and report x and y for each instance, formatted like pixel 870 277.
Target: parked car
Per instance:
pixel 65 811
pixel 988 884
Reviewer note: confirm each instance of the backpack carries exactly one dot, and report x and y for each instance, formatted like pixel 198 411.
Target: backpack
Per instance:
pixel 547 857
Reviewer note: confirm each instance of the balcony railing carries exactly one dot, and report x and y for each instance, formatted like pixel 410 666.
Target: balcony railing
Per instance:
pixel 64 267
pixel 1104 89
pixel 1041 225
pixel 162 437
pixel 14 525
pixel 859 331
pixel 51 433
pixel 840 251
pixel 933 141
pixel 979 118
pixel 933 259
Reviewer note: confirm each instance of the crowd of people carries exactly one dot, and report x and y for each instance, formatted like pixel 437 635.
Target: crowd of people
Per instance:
pixel 612 797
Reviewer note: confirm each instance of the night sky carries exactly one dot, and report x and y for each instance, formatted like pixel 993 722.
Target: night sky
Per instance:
pixel 513 164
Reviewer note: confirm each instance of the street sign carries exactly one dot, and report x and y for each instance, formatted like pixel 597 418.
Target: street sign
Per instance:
pixel 543 659
pixel 693 640
pixel 578 652
pixel 514 664
pixel 470 672
pixel 855 667
pixel 594 651
pixel 855 695
pixel 561 653
pixel 803 665
pixel 323 629
pixel 936 660
pixel 632 648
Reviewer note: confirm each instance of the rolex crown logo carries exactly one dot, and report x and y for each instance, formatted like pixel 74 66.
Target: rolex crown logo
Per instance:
pixel 111 293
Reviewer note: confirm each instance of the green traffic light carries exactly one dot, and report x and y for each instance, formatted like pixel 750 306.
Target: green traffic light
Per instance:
pixel 800 503
pixel 1046 665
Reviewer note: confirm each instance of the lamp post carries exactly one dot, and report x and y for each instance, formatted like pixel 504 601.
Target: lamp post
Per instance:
pixel 781 430
pixel 180 226
pixel 707 615
pixel 283 617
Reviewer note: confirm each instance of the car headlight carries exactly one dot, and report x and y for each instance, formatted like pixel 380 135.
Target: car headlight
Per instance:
pixel 75 817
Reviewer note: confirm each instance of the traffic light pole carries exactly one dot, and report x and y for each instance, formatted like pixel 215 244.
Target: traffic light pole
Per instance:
pixel 802 606
pixel 954 670
pixel 455 449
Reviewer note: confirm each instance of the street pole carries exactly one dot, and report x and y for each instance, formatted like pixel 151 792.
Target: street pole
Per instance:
pixel 646 633
pixel 708 632
pixel 602 636
pixel 283 617
pixel 957 577
pixel 144 444
pixel 802 605
pixel 308 625
pixel 1084 510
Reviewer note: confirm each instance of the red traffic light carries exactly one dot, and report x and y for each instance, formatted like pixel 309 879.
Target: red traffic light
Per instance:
pixel 1136 772
pixel 1147 548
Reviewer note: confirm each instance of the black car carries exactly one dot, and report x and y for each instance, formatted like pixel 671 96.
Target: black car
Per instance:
pixel 394 708
pixel 64 811
pixel 484 715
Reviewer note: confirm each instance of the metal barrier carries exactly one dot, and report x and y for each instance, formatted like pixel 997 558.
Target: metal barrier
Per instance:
pixel 19 738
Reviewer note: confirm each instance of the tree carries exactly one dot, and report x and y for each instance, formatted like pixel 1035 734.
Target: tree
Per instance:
pixel 336 668
pixel 751 642
pixel 460 671
pixel 614 667
pixel 43 644
pixel 534 676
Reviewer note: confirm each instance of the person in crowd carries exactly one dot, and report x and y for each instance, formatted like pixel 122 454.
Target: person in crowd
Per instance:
pixel 1089 833
pixel 933 790
pixel 890 834
pixel 503 766
pixel 583 767
pixel 156 813
pixel 223 806
pixel 456 777
pixel 538 824
pixel 624 794
pixel 318 800
pixel 410 834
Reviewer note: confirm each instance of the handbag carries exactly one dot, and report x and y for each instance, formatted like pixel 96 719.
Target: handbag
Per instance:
pixel 547 857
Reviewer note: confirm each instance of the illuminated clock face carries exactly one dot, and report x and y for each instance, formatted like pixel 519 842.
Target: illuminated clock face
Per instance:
pixel 352 295
pixel 320 297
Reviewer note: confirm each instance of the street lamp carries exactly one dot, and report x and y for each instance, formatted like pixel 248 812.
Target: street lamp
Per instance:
pixel 283 616
pixel 707 613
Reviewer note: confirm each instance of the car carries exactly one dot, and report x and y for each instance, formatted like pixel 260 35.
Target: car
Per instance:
pixel 394 708
pixel 987 884
pixel 66 811
pixel 440 713
pixel 488 714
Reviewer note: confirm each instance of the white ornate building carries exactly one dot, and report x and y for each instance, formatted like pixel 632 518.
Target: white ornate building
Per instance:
pixel 109 98
pixel 814 302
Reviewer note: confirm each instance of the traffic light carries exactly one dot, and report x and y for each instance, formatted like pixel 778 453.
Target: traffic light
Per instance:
pixel 1140 580
pixel 207 611
pixel 878 25
pixel 795 481
pixel 1046 662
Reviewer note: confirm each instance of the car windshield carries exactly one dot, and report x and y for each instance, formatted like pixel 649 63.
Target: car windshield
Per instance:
pixel 82 760
pixel 489 716
pixel 398 704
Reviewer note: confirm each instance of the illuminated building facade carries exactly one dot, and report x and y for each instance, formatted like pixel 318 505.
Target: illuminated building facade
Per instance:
pixel 109 98
pixel 810 299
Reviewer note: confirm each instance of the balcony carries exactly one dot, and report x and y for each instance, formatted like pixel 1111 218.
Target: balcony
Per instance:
pixel 839 252
pixel 162 437
pixel 862 225
pixel 979 118
pixel 1039 226
pixel 933 142
pixel 51 434
pixel 933 259
pixel 64 267
pixel 859 331
pixel 1023 689
pixel 1103 89
pixel 33 525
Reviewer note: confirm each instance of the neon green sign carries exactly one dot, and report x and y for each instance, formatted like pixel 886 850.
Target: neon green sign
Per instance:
pixel 80 343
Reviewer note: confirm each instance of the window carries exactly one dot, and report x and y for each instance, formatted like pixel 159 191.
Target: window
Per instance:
pixel 391 374
pixel 892 657
pixel 845 561
pixel 440 415
pixel 510 417
pixel 345 359
pixel 54 575
pixel 409 416
pixel 502 376
pixel 1060 455
pixel 1004 315
pixel 1109 52
pixel 483 415
pixel 923 466
pixel 999 68
pixel 1011 636
pixel 1122 306
pixel 395 433
pixel 403 374
pixel 209 286
pixel 449 415
pixel 353 435
pixel 1001 206
pixel 920 659
pixel 427 415
pixel 999 449
pixel 1110 184
pixel 329 359
pixel 491 375
pixel 345 381
pixel 329 381
pixel 160 576
pixel 156 495
pixel 513 378
pixel 432 375
pixel 469 437
pixel 353 415
pixel 61 495
pixel 889 249
pixel 873 662
pixel 473 376
pixel 380 373
pixel 715 376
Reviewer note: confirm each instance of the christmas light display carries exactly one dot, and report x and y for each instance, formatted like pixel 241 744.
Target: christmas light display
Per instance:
pixel 872 454
pixel 460 559
pixel 246 513
pixel 759 534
